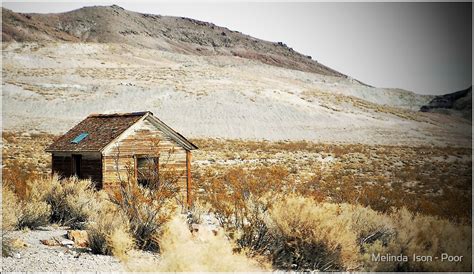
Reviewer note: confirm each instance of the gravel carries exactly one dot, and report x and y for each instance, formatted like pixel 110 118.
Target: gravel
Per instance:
pixel 39 257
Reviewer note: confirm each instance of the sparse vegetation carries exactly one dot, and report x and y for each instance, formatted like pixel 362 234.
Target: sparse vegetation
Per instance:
pixel 291 205
pixel 103 229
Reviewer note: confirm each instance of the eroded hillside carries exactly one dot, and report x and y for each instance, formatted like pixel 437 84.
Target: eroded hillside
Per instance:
pixel 51 86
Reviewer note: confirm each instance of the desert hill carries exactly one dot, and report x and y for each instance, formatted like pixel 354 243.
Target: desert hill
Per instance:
pixel 459 102
pixel 113 24
pixel 201 79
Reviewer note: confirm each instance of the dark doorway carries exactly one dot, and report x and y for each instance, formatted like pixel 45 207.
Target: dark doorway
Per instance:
pixel 76 165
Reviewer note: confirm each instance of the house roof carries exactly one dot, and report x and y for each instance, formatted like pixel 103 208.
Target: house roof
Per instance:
pixel 98 130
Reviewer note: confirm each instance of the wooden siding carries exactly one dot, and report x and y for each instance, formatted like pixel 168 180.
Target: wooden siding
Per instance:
pixel 62 165
pixel 91 167
pixel 142 139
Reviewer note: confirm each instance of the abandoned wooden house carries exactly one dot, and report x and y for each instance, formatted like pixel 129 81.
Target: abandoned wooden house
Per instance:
pixel 107 148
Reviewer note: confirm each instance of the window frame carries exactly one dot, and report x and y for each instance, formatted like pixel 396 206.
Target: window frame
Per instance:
pixel 147 157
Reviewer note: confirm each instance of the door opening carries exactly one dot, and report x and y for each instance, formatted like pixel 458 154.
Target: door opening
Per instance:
pixel 76 165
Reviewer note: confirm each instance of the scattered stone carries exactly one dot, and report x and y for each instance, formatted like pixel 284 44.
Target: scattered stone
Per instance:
pixel 79 237
pixel 17 256
pixel 50 242
pixel 18 243
pixel 194 228
pixel 67 242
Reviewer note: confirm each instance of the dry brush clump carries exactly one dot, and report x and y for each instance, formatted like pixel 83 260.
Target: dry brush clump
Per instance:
pixel 147 197
pixel 424 235
pixel 329 236
pixel 72 200
pixel 203 251
pixel 301 233
pixel 30 211
pixel 104 228
pixel 46 200
pixel 323 236
pixel 239 201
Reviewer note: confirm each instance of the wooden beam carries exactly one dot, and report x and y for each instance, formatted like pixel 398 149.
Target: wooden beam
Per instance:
pixel 52 165
pixel 135 168
pixel 188 179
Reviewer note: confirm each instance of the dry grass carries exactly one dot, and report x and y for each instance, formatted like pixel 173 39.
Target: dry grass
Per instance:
pixel 103 229
pixel 121 243
pixel 429 180
pixel 347 236
pixel 10 209
pixel 301 205
pixel 183 251
pixel 31 211
pixel 72 200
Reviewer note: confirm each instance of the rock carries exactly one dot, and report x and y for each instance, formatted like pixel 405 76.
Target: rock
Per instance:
pixel 194 228
pixel 50 242
pixel 67 242
pixel 79 237
pixel 18 243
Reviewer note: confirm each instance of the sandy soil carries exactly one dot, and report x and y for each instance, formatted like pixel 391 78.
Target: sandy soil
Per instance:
pixel 51 87
pixel 39 257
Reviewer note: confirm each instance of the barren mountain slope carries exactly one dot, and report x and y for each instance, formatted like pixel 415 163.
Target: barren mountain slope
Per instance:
pixel 175 34
pixel 52 86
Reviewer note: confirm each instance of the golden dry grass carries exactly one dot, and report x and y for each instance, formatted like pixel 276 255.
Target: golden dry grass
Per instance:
pixel 322 206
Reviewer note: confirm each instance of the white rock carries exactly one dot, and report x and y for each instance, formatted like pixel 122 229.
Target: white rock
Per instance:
pixel 67 242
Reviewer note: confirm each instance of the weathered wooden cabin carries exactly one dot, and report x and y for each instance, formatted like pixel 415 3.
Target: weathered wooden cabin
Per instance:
pixel 108 147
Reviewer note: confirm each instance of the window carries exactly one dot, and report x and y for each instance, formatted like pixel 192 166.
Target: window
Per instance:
pixel 147 170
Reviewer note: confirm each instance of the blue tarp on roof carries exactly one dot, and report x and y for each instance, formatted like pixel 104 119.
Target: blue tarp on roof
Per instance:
pixel 79 138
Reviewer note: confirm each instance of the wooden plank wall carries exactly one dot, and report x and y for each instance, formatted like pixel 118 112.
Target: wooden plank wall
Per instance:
pixel 143 139
pixel 61 165
pixel 91 168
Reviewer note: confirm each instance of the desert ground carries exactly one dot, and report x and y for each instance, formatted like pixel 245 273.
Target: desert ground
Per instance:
pixel 49 87
pixel 329 141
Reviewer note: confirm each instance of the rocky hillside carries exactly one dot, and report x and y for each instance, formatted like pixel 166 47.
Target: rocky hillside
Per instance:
pixel 113 24
pixel 459 102
pixel 201 79
pixel 52 86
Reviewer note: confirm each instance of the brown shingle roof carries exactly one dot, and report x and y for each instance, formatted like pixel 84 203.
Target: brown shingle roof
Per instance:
pixel 101 129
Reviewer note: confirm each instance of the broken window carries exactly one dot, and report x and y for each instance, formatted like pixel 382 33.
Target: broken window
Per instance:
pixel 147 170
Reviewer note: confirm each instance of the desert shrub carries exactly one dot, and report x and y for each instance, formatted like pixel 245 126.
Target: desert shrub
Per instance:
pixel 72 200
pixel 103 228
pixel 68 201
pixel 196 212
pixel 31 211
pixel 205 252
pixel 424 235
pixel 7 248
pixel 240 200
pixel 11 209
pixel 17 174
pixel 147 207
pixel 11 212
pixel 313 235
pixel 34 214
pixel 121 243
